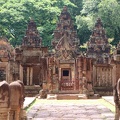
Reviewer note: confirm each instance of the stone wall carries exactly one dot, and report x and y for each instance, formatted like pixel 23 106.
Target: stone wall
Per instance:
pixel 102 79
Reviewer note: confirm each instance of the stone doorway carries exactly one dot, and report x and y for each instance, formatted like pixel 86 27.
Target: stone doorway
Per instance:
pixel 66 74
pixel 37 75
pixel 66 82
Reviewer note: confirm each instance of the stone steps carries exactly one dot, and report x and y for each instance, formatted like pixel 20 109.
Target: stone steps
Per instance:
pixel 71 96
pixel 66 96
pixel 31 91
pixel 69 92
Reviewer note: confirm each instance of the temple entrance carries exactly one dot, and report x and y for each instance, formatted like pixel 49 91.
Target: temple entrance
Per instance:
pixel 66 82
pixel 36 75
pixel 32 75
pixel 66 74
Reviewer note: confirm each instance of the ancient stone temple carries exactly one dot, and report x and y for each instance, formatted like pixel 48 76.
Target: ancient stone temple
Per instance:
pixel 6 60
pixel 30 58
pixel 67 70
pixel 64 69
pixel 99 50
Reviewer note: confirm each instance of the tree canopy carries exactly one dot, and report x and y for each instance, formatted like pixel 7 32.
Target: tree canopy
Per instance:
pixel 107 10
pixel 15 14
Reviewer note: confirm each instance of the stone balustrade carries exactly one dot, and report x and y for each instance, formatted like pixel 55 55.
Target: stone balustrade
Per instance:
pixel 11 101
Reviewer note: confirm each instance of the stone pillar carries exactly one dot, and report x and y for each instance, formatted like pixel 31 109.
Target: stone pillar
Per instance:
pixel 99 73
pixel 84 63
pixel 94 76
pixel 59 76
pixel 7 73
pixel 80 74
pixel 31 75
pixel 14 113
pixel 4 113
pixel 110 76
pixel 114 77
pixel 21 73
pixel 10 77
pixel 6 66
pixel 28 76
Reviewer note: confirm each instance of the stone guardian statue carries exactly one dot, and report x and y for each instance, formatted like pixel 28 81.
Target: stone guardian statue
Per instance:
pixel 4 100
pixel 116 94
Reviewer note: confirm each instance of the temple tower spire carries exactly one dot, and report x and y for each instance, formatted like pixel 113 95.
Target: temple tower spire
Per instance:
pixel 65 24
pixel 98 46
pixel 65 40
pixel 32 37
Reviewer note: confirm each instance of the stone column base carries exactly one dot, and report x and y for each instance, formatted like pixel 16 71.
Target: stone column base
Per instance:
pixel 4 113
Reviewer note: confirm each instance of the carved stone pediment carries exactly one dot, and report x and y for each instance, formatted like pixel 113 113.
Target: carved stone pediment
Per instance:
pixel 64 49
pixel 65 28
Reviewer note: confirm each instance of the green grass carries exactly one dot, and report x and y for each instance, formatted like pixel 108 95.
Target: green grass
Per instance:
pixel 107 104
pixel 31 105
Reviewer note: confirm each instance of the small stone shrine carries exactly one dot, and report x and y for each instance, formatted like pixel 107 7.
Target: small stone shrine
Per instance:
pixel 99 51
pixel 67 70
pixel 31 60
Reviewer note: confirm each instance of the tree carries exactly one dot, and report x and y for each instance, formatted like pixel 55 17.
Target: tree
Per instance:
pixel 83 28
pixel 14 16
pixel 107 10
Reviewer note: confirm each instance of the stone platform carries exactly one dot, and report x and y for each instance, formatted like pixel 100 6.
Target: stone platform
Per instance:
pixel 70 96
pixel 86 109
pixel 31 91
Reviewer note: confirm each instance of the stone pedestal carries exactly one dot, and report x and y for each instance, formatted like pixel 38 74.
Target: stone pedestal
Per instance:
pixel 14 113
pixel 16 100
pixel 4 113
pixel 4 100
pixel 23 115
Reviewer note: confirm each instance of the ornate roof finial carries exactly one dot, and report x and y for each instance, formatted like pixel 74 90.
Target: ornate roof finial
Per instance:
pixel 65 8
pixel 98 23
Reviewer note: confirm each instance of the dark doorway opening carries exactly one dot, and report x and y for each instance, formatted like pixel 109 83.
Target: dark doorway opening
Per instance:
pixel 65 72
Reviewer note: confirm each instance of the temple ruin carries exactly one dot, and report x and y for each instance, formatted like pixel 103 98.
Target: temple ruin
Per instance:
pixel 64 69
